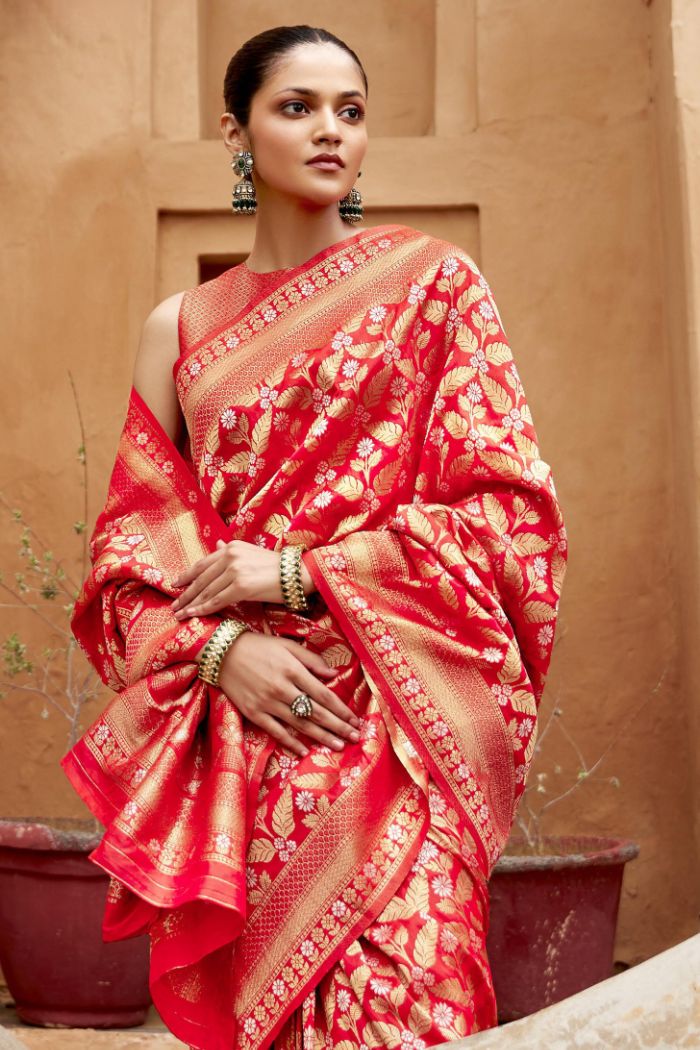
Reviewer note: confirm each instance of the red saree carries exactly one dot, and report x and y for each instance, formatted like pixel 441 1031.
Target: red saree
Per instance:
pixel 365 404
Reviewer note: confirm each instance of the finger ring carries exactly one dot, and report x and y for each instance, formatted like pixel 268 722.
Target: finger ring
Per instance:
pixel 301 705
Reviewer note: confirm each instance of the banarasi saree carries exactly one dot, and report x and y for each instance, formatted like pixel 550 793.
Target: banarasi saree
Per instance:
pixel 366 405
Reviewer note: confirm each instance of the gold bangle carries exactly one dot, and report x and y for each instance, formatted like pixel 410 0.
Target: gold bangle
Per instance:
pixel 216 648
pixel 290 578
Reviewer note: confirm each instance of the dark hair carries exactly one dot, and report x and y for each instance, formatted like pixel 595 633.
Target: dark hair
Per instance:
pixel 254 61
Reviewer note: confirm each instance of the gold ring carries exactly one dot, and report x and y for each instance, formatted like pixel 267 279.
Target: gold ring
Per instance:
pixel 301 705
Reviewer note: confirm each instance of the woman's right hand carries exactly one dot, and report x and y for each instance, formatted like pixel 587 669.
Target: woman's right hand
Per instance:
pixel 261 674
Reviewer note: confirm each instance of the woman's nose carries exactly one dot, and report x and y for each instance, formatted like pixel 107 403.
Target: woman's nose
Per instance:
pixel 330 126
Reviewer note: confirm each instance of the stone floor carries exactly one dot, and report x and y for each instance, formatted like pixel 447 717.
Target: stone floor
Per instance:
pixel 652 1006
pixel 153 1035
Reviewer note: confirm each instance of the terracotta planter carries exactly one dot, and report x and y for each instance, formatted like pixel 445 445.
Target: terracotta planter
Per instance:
pixel 58 969
pixel 552 920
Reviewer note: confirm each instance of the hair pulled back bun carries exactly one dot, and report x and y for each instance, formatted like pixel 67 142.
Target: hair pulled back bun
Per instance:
pixel 256 59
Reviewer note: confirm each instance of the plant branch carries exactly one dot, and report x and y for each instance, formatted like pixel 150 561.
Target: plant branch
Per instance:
pixel 42 544
pixel 36 610
pixel 83 461
pixel 577 783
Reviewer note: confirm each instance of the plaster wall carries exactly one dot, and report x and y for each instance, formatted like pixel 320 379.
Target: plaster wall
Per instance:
pixel 676 88
pixel 557 149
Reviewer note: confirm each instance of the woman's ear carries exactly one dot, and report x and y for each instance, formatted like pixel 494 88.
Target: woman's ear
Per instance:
pixel 233 133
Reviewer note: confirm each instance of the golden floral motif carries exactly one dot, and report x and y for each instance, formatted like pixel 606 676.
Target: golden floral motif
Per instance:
pixel 394 442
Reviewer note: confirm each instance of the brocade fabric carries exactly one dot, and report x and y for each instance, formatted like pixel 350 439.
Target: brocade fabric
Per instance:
pixel 366 405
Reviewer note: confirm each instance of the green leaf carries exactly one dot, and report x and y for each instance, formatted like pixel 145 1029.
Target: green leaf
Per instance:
pixel 14 656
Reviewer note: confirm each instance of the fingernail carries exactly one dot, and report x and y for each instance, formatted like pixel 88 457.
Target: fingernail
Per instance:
pixel 356 721
pixel 354 735
pixel 304 753
pixel 338 743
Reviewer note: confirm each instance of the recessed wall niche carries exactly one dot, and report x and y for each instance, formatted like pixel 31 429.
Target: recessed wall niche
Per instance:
pixel 193 247
pixel 419 56
pixel 401 93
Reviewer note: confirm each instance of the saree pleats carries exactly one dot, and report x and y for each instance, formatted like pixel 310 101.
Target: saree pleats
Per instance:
pixel 365 405
pixel 418 975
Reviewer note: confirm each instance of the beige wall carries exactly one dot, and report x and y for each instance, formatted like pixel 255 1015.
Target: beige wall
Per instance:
pixel 558 143
pixel 676 87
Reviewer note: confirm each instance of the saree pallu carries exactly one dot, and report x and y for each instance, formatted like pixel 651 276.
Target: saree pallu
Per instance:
pixel 366 405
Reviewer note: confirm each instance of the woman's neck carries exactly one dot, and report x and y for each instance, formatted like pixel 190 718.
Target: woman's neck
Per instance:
pixel 287 244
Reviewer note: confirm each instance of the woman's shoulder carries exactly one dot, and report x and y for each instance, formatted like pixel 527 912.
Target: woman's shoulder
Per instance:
pixel 159 335
pixel 165 313
pixel 157 353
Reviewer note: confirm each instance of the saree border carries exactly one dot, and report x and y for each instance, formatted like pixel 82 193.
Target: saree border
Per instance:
pixel 316 275
pixel 446 763
pixel 340 919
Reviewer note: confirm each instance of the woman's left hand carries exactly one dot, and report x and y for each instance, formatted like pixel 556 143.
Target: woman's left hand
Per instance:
pixel 236 571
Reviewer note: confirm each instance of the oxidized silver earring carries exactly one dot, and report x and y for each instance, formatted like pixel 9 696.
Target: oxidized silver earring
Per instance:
pixel 243 200
pixel 350 206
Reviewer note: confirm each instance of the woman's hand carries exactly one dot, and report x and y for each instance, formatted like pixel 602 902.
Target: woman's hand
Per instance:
pixel 261 674
pixel 235 572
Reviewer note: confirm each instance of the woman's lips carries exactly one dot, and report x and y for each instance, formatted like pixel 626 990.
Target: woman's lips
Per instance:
pixel 325 165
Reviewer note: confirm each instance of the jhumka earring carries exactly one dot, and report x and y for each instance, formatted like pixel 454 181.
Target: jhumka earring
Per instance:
pixel 350 206
pixel 243 200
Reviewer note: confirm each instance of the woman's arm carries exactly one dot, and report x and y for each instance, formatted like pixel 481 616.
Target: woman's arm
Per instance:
pixel 158 351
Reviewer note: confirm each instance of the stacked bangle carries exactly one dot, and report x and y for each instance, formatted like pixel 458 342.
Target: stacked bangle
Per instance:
pixel 216 648
pixel 290 578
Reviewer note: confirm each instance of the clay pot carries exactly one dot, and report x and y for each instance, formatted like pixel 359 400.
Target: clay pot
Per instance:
pixel 552 920
pixel 58 969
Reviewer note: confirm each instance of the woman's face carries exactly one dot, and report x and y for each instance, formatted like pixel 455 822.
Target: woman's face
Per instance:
pixel 288 126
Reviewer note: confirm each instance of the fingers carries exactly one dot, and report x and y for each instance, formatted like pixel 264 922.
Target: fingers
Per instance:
pixel 311 726
pixel 216 596
pixel 194 570
pixel 308 657
pixel 279 733
pixel 220 600
pixel 205 586
pixel 328 709
pixel 313 664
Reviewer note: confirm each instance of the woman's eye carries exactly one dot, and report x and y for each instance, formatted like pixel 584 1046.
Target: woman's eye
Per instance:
pixel 292 104
pixel 357 109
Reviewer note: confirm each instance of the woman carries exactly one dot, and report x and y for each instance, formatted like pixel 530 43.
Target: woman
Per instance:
pixel 324 586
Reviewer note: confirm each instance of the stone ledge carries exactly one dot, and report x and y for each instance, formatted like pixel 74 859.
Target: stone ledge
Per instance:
pixel 655 1004
pixel 27 1037
pixel 153 1035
